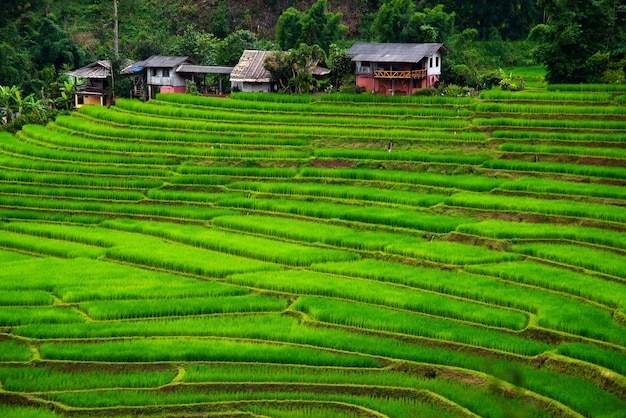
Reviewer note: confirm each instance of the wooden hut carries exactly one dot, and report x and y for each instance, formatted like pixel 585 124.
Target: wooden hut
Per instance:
pixel 97 87
pixel 249 74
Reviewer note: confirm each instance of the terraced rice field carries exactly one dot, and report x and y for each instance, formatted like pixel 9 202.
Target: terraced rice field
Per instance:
pixel 268 256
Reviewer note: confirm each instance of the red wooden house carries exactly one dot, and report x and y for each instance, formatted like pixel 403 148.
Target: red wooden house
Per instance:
pixel 397 69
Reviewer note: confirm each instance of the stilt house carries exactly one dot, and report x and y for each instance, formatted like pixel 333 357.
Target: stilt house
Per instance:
pixel 167 74
pixel 97 87
pixel 157 74
pixel 397 69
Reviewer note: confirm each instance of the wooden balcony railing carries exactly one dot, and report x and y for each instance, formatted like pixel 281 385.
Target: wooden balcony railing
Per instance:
pixel 400 74
pixel 91 90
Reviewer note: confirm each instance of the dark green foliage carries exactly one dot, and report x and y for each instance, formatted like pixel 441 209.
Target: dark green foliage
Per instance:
pixel 14 64
pixel 288 29
pixel 221 20
pixel 292 72
pixel 120 86
pixel 313 26
pixel 53 47
pixel 233 45
pixel 34 51
pixel 341 65
pixel 400 21
pixel 508 19
pixel 463 75
pixel 200 47
pixel 580 39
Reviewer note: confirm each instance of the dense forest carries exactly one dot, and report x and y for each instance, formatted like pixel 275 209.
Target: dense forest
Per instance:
pixel 576 40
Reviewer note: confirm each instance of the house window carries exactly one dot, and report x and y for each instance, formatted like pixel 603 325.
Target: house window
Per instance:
pixel 166 72
pixel 431 62
pixel 153 72
pixel 436 61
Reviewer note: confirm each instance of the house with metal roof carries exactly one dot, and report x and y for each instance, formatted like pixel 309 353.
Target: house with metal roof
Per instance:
pixel 397 69
pixel 157 74
pixel 167 74
pixel 249 74
pixel 96 88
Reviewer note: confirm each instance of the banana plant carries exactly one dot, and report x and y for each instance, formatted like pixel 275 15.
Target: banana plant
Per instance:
pixel 10 103
pixel 37 108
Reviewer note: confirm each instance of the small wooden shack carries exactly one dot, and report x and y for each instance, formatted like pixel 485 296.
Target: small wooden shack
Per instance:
pixel 397 69
pixel 97 87
pixel 250 75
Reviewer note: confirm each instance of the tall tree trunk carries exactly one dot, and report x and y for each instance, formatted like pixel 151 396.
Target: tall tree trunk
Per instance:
pixel 115 30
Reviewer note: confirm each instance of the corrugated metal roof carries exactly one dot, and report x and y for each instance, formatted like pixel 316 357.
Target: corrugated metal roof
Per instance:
pixel 162 61
pixel 203 69
pixel 98 69
pixel 157 61
pixel 376 52
pixel 250 68
pixel 132 69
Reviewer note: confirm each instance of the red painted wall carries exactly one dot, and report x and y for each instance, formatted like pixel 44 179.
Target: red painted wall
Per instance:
pixel 366 81
pixel 174 89
pixel 382 86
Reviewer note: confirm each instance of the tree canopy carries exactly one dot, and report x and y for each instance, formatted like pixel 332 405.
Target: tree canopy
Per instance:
pixel 401 21
pixel 233 45
pixel 315 26
pixel 293 71
pixel 34 51
pixel 508 19
pixel 581 40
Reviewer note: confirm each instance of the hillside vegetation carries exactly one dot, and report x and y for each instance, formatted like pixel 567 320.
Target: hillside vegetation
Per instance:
pixel 335 255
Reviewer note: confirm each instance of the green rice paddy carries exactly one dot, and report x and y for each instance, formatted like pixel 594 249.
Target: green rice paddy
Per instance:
pixel 318 256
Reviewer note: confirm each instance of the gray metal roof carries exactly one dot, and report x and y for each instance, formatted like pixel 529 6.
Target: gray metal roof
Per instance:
pixel 203 69
pixel 162 61
pixel 377 52
pixel 157 61
pixel 98 69
pixel 250 68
